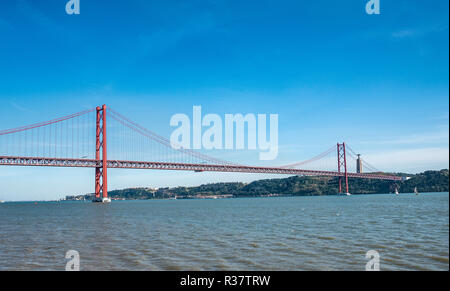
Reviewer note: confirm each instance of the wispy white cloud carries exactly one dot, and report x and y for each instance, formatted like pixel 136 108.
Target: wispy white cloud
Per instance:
pixel 443 117
pixel 411 160
pixel 417 31
pixel 441 136
pixel 167 37
pixel 19 107
pixel 405 33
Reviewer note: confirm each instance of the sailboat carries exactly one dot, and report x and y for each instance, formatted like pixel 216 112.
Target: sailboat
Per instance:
pixel 396 191
pixel 415 191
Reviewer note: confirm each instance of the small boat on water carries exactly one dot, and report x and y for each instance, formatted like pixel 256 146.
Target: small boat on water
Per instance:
pixel 396 191
pixel 348 194
pixel 415 191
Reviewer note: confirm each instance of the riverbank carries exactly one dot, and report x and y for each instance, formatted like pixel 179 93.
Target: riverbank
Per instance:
pixel 429 181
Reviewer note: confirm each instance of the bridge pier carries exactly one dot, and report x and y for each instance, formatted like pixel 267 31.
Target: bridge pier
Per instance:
pixel 101 169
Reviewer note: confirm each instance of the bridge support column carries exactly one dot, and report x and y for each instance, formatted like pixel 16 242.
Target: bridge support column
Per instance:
pixel 101 174
pixel 342 166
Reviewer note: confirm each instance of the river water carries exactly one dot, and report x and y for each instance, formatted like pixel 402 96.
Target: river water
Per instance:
pixel 295 233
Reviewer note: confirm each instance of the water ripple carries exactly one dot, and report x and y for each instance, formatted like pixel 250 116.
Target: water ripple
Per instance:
pixel 299 233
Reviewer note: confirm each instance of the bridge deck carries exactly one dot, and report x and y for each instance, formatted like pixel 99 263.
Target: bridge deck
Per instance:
pixel 90 163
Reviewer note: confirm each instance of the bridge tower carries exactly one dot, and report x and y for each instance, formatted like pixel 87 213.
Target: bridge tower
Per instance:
pixel 342 166
pixel 101 174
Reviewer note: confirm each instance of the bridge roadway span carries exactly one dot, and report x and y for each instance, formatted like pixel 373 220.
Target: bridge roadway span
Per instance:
pixel 91 163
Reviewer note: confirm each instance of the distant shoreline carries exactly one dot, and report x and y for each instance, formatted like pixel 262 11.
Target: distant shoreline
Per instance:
pixel 429 181
pixel 261 196
pixel 221 198
pixel 426 182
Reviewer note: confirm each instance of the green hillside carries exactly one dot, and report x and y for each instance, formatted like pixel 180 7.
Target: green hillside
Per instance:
pixel 429 181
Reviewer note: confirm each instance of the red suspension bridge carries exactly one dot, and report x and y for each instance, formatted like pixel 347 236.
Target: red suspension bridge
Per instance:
pixel 70 141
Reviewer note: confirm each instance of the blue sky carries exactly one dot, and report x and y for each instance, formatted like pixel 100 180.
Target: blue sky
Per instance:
pixel 331 72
